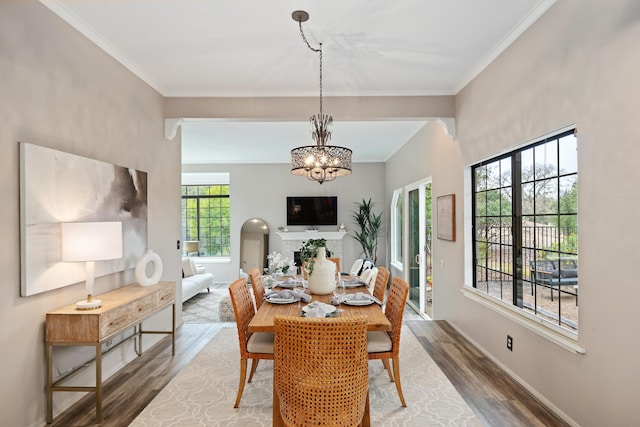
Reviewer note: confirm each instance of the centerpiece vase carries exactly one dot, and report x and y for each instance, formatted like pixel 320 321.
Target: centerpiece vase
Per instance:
pixel 322 281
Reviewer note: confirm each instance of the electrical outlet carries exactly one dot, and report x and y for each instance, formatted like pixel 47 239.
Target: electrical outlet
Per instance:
pixel 177 244
pixel 510 342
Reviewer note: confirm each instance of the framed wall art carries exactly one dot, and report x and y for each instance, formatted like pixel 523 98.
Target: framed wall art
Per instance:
pixel 57 187
pixel 446 217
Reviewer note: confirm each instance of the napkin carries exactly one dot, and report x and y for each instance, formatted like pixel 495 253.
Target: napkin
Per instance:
pixel 289 283
pixel 287 294
pixel 318 309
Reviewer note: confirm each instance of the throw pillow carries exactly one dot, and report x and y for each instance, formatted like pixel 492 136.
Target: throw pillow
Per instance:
pixel 187 268
pixel 194 266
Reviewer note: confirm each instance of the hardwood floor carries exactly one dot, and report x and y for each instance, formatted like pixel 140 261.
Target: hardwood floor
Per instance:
pixel 492 395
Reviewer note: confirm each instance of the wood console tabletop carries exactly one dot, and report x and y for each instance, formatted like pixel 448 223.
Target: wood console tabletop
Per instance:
pixel 122 309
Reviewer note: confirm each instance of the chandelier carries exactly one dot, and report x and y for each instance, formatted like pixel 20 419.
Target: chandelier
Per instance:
pixel 320 162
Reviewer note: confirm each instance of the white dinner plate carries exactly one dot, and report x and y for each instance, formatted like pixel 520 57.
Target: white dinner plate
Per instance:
pixel 281 300
pixel 358 302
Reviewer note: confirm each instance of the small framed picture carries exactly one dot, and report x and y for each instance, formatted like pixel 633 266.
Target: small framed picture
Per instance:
pixel 446 217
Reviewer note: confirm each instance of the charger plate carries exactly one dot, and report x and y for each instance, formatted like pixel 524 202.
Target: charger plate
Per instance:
pixel 281 300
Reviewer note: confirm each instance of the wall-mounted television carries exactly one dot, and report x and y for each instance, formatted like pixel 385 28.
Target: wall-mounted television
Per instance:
pixel 317 210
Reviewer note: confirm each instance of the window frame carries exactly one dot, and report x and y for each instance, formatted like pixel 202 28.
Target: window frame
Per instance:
pixel 561 335
pixel 224 240
pixel 397 228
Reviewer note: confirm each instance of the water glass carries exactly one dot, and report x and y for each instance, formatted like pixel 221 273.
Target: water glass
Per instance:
pixel 339 292
pixel 299 287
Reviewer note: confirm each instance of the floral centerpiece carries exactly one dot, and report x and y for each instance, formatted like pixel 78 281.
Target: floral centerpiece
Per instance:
pixel 279 262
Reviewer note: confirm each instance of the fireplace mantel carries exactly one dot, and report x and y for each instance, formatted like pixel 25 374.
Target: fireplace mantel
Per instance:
pixel 292 241
pixel 306 235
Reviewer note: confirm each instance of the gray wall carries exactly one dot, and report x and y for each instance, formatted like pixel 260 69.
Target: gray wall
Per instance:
pixel 60 91
pixel 431 153
pixel 260 191
pixel 579 64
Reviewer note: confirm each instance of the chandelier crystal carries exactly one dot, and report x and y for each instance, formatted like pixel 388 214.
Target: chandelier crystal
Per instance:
pixel 321 162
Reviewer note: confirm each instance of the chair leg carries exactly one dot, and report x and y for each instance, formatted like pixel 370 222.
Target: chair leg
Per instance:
pixel 254 366
pixel 385 362
pixel 243 375
pixel 366 417
pixel 396 374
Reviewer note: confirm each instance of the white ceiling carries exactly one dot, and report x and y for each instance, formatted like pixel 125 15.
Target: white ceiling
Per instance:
pixel 254 48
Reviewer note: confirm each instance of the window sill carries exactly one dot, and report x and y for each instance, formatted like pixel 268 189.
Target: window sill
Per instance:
pixel 549 331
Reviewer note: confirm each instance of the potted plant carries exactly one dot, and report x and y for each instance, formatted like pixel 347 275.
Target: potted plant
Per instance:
pixel 370 228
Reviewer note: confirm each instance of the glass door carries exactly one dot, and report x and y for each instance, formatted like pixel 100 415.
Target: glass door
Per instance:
pixel 418 198
pixel 415 253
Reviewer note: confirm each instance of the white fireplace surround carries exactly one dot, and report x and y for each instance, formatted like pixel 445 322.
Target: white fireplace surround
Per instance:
pixel 292 241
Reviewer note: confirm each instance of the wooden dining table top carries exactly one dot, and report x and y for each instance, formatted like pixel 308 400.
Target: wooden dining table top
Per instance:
pixel 263 319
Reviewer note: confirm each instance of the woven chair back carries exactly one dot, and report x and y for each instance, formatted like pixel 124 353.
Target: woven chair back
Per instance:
pixel 394 310
pixel 321 370
pixel 381 283
pixel 258 286
pixel 336 261
pixel 243 309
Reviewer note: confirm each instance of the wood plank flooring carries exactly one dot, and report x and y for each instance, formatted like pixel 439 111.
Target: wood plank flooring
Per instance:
pixel 492 395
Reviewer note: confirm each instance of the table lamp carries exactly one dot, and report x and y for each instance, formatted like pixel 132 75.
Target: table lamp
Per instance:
pixel 90 242
pixel 191 246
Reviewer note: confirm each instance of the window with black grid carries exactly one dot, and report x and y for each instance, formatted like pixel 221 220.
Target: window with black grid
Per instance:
pixel 525 215
pixel 206 218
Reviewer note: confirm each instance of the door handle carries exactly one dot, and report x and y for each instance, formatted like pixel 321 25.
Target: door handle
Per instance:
pixel 417 260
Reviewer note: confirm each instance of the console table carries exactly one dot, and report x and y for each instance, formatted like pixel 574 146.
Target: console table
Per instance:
pixel 122 309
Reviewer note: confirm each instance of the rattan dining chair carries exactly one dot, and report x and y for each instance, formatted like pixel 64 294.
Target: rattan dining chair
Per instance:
pixel 336 261
pixel 380 286
pixel 386 345
pixel 258 286
pixel 321 371
pixel 254 346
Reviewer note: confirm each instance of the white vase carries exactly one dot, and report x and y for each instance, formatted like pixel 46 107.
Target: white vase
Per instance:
pixel 323 279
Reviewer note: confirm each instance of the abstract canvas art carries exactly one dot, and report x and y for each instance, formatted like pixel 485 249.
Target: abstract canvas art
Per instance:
pixel 57 187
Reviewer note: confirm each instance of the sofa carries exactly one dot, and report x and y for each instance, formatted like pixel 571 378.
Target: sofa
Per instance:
pixel 194 278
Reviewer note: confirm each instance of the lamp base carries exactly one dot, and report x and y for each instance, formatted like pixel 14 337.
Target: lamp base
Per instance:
pixel 88 305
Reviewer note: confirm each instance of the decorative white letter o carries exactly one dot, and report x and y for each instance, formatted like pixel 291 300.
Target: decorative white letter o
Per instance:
pixel 141 268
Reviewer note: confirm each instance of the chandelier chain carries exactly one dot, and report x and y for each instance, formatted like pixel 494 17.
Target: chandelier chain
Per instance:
pixel 319 50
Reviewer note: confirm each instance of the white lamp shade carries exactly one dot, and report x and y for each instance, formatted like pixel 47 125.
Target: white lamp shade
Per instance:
pixel 91 241
pixel 191 246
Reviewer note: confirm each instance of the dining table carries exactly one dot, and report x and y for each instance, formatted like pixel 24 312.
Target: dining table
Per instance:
pixel 376 320
pixel 263 322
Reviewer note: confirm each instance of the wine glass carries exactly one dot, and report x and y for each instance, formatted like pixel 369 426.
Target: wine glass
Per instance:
pixel 300 288
pixel 339 292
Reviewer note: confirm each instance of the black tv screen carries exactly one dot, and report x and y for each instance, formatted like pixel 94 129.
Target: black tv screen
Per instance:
pixel 312 210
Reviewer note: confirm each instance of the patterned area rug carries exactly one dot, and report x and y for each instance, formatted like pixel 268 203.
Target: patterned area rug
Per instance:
pixel 203 393
pixel 205 306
